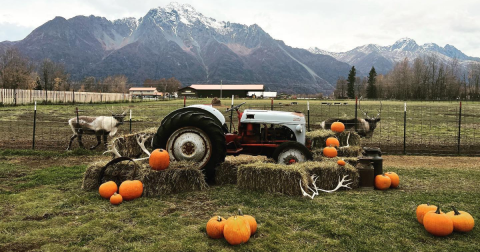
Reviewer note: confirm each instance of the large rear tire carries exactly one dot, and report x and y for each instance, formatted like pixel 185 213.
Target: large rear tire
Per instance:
pixel 291 152
pixel 195 137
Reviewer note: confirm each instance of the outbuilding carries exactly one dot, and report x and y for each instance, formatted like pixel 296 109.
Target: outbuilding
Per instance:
pixel 203 90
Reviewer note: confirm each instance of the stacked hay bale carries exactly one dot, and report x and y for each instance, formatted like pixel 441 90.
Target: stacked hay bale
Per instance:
pixel 127 145
pixel 226 172
pixel 179 177
pixel 216 102
pixel 329 173
pixel 319 137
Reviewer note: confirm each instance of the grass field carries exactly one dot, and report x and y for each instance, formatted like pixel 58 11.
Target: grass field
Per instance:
pixel 432 127
pixel 44 209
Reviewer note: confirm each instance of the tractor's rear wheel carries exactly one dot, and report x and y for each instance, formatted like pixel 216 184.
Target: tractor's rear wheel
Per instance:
pixel 193 136
pixel 291 152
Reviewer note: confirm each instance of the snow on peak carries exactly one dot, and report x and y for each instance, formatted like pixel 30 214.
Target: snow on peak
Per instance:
pixel 405 44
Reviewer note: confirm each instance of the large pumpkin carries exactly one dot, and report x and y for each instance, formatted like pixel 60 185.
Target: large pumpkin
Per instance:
pixel 251 221
pixel 422 210
pixel 438 223
pixel 332 142
pixel 131 189
pixel 395 179
pixel 107 189
pixel 382 182
pixel 116 199
pixel 215 227
pixel 330 152
pixel 236 230
pixel 338 127
pixel 159 159
pixel 462 221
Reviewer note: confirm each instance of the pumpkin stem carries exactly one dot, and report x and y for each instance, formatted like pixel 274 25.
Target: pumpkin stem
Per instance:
pixel 438 210
pixel 240 212
pixel 455 210
pixel 219 219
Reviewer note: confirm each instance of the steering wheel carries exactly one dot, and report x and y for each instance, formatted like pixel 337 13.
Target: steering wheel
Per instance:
pixel 235 107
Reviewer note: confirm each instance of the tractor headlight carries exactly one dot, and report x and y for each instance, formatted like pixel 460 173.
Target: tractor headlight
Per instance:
pixel 299 128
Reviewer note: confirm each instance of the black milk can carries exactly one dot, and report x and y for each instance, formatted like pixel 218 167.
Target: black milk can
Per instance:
pixel 366 172
pixel 377 160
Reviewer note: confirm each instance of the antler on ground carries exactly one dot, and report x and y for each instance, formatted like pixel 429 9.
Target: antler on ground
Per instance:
pixel 315 190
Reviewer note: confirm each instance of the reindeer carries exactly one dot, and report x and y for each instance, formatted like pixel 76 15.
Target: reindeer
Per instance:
pixel 364 126
pixel 98 126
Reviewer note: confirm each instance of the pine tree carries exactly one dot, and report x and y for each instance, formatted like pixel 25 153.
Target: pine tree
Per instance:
pixel 351 83
pixel 371 89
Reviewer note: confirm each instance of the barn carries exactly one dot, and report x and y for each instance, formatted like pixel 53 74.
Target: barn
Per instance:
pixel 203 91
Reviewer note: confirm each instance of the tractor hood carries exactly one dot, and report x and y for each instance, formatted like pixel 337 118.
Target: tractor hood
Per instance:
pixel 272 117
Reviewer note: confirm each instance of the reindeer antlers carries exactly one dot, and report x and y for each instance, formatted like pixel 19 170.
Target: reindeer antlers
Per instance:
pixel 316 190
pixel 377 116
pixel 140 138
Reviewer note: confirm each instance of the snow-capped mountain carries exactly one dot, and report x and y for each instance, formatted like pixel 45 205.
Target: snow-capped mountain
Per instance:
pixel 383 58
pixel 178 41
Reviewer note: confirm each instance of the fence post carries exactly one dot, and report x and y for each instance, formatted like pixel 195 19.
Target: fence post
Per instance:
pixel 405 129
pixel 271 104
pixel 308 115
pixel 459 127
pixel 130 121
pixel 356 105
pixel 184 101
pixel 73 97
pixel 15 97
pixel 34 125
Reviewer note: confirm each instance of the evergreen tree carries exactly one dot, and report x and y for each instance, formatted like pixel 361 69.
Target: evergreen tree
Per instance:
pixel 371 89
pixel 351 83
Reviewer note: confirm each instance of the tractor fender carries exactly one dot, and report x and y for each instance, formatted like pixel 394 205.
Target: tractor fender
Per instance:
pixel 214 113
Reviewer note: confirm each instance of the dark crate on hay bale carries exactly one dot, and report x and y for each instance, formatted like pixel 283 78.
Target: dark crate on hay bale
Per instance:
pixel 329 173
pixel 226 172
pixel 273 178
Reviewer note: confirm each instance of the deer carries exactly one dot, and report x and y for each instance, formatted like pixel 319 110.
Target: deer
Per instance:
pixel 364 126
pixel 98 126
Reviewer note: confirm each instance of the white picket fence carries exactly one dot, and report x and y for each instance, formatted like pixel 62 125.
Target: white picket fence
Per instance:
pixel 20 96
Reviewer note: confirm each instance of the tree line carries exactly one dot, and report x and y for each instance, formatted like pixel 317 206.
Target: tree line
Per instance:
pixel 19 72
pixel 426 78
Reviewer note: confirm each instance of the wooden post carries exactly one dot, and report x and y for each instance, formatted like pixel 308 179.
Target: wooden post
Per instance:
pixel 34 125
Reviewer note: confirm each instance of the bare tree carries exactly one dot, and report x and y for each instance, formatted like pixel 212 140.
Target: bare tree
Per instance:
pixel 15 70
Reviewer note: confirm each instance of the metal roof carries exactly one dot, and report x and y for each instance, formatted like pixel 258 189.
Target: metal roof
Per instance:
pixel 227 87
pixel 142 89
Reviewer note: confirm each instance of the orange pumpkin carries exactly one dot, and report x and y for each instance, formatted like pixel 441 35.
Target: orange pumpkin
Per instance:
pixel 395 179
pixel 236 230
pixel 462 221
pixel 116 199
pixel 332 142
pixel 215 227
pixel 159 159
pixel 422 210
pixel 341 162
pixel 131 189
pixel 330 152
pixel 107 189
pixel 251 221
pixel 382 182
pixel 338 127
pixel 438 223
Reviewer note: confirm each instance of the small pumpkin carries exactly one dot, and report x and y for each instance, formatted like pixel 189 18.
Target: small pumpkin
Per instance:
pixel 338 127
pixel 341 162
pixel 159 159
pixel 422 209
pixel 107 189
pixel 395 179
pixel 330 152
pixel 332 142
pixel 438 223
pixel 251 221
pixel 236 230
pixel 116 199
pixel 382 182
pixel 131 189
pixel 215 227
pixel 462 221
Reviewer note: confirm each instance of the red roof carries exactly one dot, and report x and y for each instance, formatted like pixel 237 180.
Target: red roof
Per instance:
pixel 249 87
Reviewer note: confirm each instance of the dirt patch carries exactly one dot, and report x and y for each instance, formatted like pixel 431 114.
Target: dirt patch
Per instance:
pixel 38 162
pixel 432 162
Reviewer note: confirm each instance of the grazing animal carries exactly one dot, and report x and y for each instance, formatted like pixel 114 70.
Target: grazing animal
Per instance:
pixel 98 126
pixel 365 126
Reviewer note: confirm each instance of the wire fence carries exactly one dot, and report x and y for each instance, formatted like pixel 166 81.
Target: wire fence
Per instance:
pixel 440 128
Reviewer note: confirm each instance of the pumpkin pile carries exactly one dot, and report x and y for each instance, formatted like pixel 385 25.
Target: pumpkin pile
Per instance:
pixel 387 180
pixel 438 223
pixel 128 190
pixel 236 229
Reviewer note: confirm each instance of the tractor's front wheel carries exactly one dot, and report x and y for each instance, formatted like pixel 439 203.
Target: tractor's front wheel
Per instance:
pixel 291 152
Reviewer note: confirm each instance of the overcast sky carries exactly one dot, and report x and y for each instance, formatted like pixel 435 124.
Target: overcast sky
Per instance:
pixel 333 25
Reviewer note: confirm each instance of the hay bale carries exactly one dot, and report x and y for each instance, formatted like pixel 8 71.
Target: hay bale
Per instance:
pixel 127 145
pixel 117 172
pixel 273 178
pixel 180 176
pixel 226 172
pixel 329 173
pixel 216 102
pixel 319 137
pixel 317 156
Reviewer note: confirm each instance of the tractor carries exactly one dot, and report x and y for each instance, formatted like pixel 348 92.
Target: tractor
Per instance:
pixel 199 133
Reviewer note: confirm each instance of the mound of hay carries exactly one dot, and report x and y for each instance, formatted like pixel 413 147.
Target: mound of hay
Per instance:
pixel 319 137
pixel 329 173
pixel 317 156
pixel 127 145
pixel 179 177
pixel 226 172
pixel 273 178
pixel 216 102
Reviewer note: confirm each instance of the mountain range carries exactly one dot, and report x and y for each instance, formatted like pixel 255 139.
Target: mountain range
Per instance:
pixel 177 41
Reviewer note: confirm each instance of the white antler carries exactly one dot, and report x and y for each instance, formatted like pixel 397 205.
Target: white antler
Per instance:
pixel 113 148
pixel 315 190
pixel 141 139
pixel 348 145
